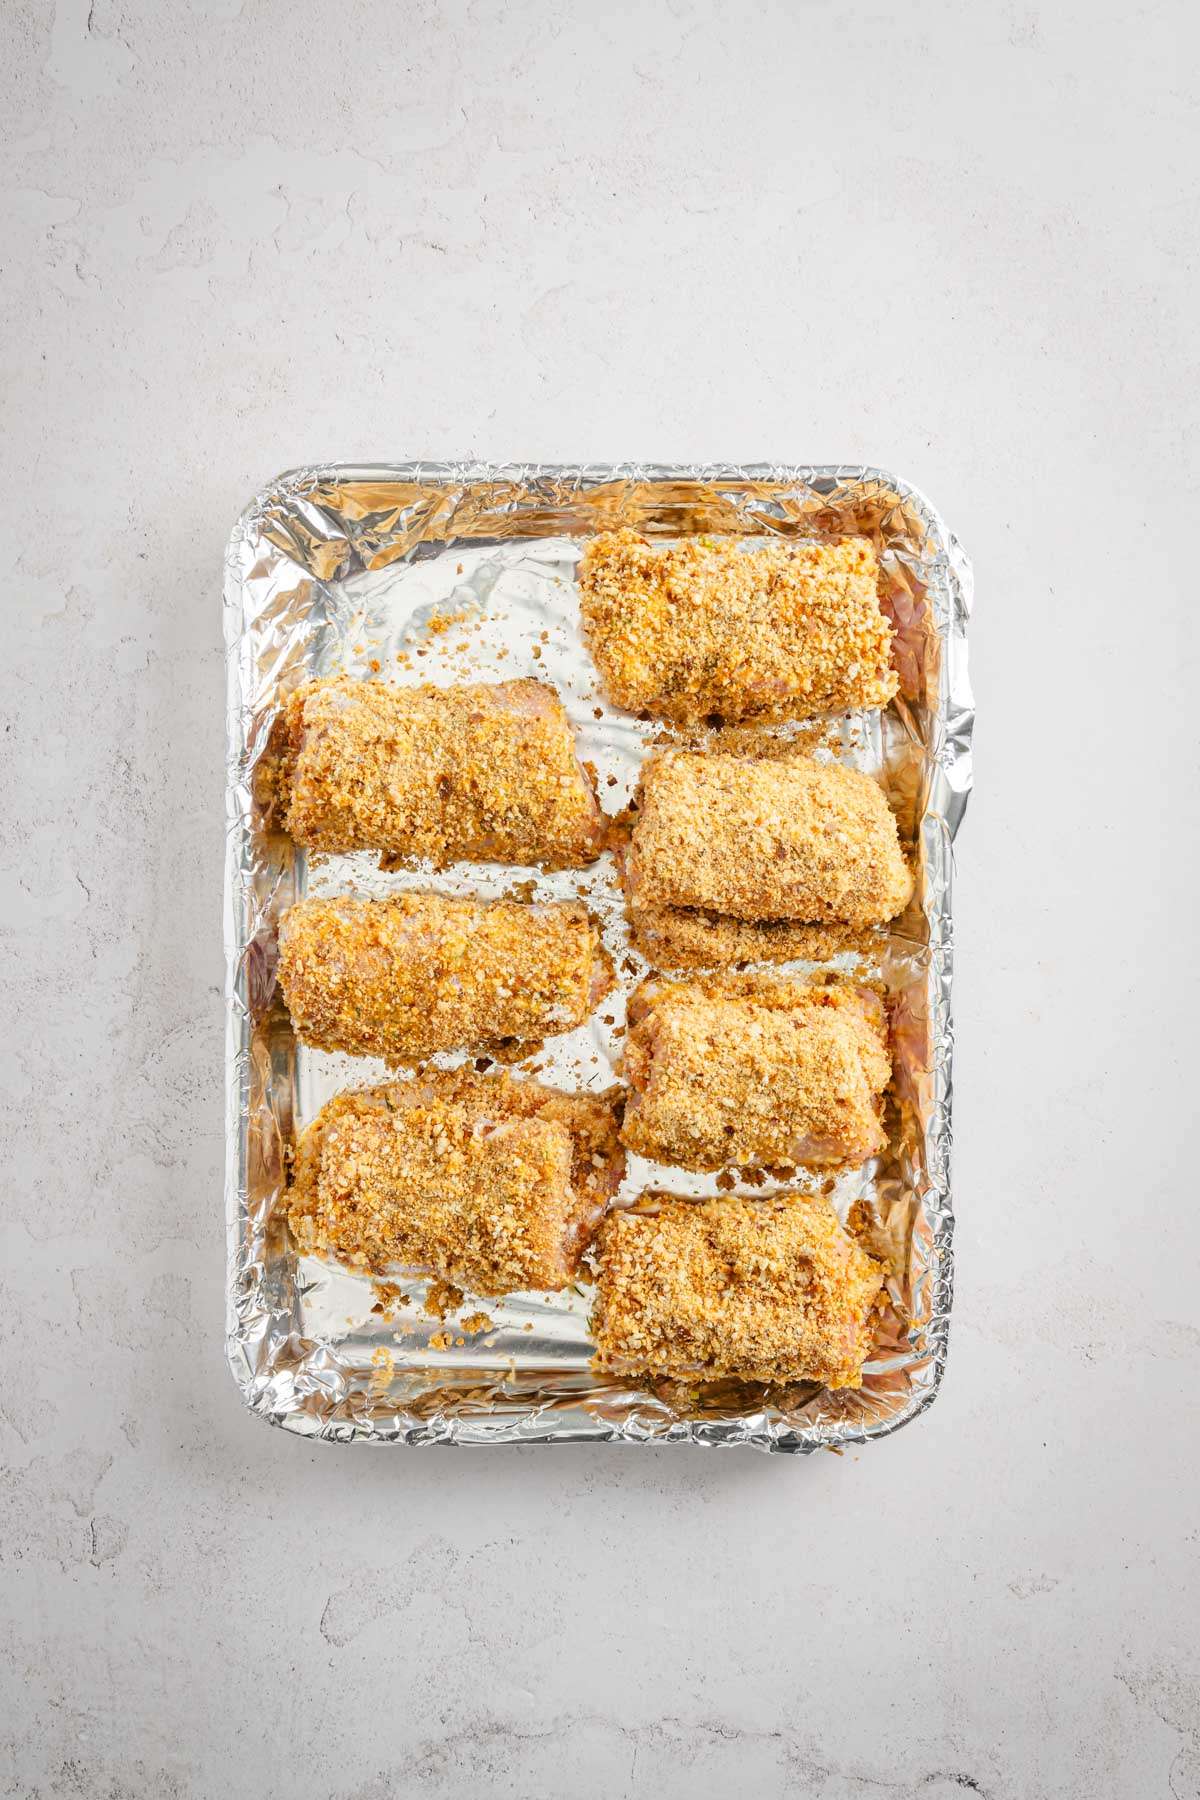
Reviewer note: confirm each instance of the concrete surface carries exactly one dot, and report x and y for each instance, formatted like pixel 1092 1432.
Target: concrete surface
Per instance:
pixel 956 239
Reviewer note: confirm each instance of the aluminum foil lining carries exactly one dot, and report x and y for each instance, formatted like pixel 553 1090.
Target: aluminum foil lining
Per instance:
pixel 446 572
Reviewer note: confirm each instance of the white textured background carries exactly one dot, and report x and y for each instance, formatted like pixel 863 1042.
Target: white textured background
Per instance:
pixel 956 239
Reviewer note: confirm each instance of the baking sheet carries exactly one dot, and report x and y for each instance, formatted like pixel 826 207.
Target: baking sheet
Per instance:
pixel 450 572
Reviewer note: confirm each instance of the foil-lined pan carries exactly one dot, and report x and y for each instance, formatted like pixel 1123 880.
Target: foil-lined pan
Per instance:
pixel 442 572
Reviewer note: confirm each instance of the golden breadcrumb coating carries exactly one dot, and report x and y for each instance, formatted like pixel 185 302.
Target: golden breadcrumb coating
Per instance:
pixel 770 839
pixel 755 1290
pixel 680 937
pixel 486 1181
pixel 755 1070
pixel 409 976
pixel 711 626
pixel 483 772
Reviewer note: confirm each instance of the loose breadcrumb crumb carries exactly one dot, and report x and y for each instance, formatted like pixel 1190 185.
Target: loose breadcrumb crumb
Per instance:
pixel 441 1299
pixel 407 977
pixel 759 1290
pixel 713 626
pixel 475 1322
pixel 755 1069
pixel 388 1296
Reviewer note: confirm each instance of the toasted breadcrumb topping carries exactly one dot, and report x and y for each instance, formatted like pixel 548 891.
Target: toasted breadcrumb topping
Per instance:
pixel 710 626
pixel 486 772
pixel 781 838
pixel 407 977
pixel 758 1290
pixel 484 1181
pixel 755 1070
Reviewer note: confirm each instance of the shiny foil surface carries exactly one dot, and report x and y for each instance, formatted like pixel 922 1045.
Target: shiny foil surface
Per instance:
pixel 444 572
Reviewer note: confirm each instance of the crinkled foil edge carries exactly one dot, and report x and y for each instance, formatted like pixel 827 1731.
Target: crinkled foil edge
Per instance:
pixel 307 1393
